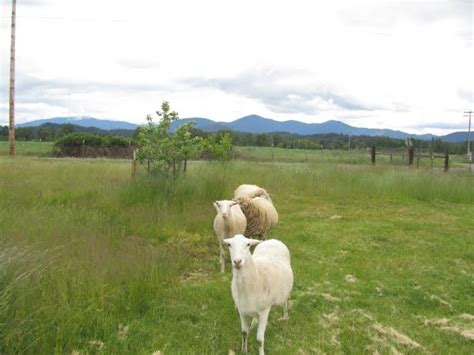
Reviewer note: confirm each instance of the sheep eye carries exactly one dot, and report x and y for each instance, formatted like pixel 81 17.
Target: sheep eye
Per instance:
pixel 248 244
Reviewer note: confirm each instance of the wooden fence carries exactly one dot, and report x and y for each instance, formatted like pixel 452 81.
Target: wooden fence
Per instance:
pixel 409 155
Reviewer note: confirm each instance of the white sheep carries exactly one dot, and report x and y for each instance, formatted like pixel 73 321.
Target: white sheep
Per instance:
pixel 251 191
pixel 259 281
pixel 261 216
pixel 228 222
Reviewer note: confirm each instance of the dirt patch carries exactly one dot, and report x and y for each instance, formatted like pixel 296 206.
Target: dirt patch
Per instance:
pixel 398 337
pixel 331 298
pixel 122 332
pixel 331 317
pixel 462 325
pixel 195 275
pixel 350 278
pixel 331 323
pixel 467 316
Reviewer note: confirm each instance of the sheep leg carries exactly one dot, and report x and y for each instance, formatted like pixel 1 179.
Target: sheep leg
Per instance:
pixel 285 311
pixel 245 332
pixel 262 325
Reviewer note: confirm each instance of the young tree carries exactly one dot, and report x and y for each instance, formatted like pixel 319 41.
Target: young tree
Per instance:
pixel 162 150
pixel 219 147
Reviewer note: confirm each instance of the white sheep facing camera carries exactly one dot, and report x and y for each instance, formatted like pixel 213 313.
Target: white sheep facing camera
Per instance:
pixel 260 280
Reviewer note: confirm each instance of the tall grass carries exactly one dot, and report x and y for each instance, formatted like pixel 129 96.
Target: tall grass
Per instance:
pixel 85 248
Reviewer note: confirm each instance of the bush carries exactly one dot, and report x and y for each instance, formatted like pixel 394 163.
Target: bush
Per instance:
pixel 91 145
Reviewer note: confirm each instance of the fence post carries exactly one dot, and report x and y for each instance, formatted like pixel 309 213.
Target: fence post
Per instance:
pixel 417 161
pixel 391 158
pixel 306 151
pixel 411 155
pixel 83 148
pixel 373 154
pixel 446 161
pixel 134 163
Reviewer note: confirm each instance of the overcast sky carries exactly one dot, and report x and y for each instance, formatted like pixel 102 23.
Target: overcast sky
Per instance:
pixel 404 65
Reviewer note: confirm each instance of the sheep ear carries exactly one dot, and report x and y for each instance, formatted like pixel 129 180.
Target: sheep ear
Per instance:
pixel 227 241
pixel 216 206
pixel 234 203
pixel 254 241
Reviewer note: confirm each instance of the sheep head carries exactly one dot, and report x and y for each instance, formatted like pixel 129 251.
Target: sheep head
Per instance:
pixel 239 248
pixel 223 207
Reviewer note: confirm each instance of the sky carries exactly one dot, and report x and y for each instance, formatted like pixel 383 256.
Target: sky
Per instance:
pixel 405 65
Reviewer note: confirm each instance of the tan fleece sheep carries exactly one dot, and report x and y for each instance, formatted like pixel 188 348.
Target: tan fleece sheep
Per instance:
pixel 261 216
pixel 251 191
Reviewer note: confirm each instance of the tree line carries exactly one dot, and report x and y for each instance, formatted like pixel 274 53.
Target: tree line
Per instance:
pixel 53 132
pixel 339 141
pixel 50 132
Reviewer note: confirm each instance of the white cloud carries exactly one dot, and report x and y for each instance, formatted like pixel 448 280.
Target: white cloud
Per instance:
pixel 404 65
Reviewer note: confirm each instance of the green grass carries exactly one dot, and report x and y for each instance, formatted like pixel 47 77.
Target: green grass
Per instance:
pixel 85 249
pixel 31 148
pixel 342 157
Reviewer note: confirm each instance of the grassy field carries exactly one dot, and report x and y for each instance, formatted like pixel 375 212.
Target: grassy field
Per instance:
pixel 267 154
pixel 341 157
pixel 96 262
pixel 30 148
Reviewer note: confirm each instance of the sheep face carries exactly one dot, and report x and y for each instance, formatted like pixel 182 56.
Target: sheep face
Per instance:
pixel 223 207
pixel 239 248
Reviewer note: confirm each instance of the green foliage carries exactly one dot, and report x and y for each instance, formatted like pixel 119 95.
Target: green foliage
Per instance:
pixel 49 132
pixel 91 140
pixel 340 141
pixel 218 146
pixel 92 145
pixel 167 153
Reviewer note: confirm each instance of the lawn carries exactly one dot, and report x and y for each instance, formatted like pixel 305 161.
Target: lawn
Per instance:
pixel 30 148
pixel 94 261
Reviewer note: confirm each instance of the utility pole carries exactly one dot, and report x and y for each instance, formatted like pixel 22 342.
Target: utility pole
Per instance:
pixel 11 121
pixel 469 153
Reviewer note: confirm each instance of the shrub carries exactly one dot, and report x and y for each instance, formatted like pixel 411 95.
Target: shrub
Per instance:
pixel 92 145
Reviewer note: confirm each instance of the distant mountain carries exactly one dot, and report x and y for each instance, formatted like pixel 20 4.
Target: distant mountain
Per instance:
pixel 258 124
pixel 457 137
pixel 255 124
pixel 82 121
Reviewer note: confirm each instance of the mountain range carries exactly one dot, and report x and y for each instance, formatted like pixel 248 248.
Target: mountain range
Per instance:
pixel 83 121
pixel 255 124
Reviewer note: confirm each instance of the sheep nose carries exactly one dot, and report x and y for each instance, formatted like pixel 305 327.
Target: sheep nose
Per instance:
pixel 224 215
pixel 237 263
